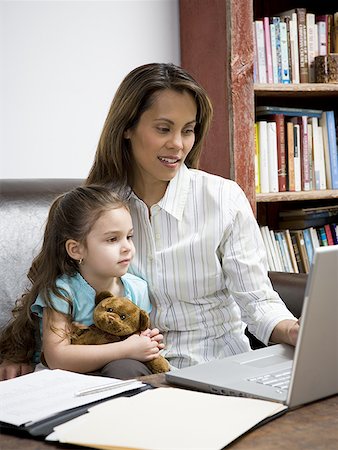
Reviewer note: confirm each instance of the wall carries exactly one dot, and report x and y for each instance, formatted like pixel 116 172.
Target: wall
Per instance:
pixel 61 62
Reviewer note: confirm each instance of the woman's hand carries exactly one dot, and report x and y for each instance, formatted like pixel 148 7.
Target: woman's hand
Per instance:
pixel 154 335
pixel 140 347
pixel 286 332
pixel 9 369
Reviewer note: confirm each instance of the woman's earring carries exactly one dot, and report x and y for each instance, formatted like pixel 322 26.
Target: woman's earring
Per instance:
pixel 80 261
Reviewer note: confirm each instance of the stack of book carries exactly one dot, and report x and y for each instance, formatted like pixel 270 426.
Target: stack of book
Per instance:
pixel 295 149
pixel 291 248
pixel 286 45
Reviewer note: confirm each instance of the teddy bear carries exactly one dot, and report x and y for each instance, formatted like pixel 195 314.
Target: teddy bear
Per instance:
pixel 115 319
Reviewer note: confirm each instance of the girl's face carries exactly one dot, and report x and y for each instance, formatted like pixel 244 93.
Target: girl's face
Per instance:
pixel 163 137
pixel 109 248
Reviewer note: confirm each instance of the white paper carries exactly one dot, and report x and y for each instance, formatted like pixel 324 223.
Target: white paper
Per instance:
pixel 167 419
pixel 38 395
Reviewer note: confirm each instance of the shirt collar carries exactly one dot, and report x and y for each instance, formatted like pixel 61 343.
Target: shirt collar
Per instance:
pixel 175 197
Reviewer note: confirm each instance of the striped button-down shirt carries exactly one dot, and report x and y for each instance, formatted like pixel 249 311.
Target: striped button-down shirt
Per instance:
pixel 200 250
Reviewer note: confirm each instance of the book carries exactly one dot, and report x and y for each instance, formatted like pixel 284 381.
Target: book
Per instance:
pixel 284 53
pixel 291 251
pixel 280 239
pixel 294 48
pixel 291 156
pixel 272 157
pixel 334 232
pixel 268 54
pixel 300 265
pixel 310 152
pixel 260 48
pixel 294 112
pixel 308 244
pixel 322 236
pixel 276 22
pixel 269 249
pixel 308 217
pixel 328 233
pixel 257 178
pixel 263 156
pixel 305 163
pixel 281 150
pixel 314 238
pixel 297 160
pixel 311 45
pixel 322 22
pixel 274 52
pixel 318 155
pixel 187 425
pixel 299 237
pixel 329 127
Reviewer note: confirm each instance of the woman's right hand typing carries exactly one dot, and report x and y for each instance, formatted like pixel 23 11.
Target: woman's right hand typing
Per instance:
pixel 141 348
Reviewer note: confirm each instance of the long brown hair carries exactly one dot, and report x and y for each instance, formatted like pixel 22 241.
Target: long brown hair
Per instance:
pixel 71 216
pixel 112 164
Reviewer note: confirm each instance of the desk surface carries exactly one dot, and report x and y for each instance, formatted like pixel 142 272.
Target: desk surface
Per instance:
pixel 314 426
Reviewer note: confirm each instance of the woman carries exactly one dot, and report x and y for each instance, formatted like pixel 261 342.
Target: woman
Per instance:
pixel 198 243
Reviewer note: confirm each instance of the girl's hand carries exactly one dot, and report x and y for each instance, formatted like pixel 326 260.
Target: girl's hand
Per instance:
pixel 140 347
pixel 154 335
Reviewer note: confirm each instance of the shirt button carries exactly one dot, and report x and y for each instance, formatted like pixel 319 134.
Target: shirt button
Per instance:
pixel 157 236
pixel 150 257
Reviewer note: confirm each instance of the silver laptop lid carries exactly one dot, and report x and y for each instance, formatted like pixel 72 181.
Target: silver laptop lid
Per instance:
pixel 315 370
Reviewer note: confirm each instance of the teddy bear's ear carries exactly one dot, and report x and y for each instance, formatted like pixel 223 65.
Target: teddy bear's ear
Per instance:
pixel 144 320
pixel 101 296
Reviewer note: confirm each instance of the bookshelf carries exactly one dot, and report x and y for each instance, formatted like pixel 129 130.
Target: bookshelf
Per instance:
pixel 217 48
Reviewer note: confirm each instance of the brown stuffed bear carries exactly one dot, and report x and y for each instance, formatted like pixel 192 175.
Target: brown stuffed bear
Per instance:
pixel 116 318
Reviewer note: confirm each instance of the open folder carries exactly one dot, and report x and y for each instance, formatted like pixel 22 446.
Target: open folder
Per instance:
pixel 167 419
pixel 37 402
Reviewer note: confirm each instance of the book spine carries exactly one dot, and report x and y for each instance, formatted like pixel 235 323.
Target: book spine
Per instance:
pixel 322 236
pixel 263 156
pixel 257 179
pixel 268 54
pixel 328 232
pixel 305 165
pixel 310 149
pixel 333 227
pixel 291 251
pixel 284 53
pixel 308 244
pixel 274 52
pixel 297 159
pixel 318 155
pixel 276 22
pixel 323 124
pixel 322 35
pixel 302 44
pixel 294 48
pixel 332 141
pixel 272 157
pixel 281 152
pixel 260 46
pixel 291 157
pixel 299 261
pixel 310 30
pixel 335 33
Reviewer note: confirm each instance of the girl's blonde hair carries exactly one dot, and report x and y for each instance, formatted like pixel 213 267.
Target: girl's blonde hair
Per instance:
pixel 71 216
pixel 136 93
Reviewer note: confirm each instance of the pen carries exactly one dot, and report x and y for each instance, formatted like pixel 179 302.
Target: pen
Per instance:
pixel 102 388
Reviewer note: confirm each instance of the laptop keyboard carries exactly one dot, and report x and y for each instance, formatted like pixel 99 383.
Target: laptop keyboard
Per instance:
pixel 278 380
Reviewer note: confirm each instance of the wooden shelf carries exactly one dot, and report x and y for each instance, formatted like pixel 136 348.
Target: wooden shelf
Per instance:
pixel 296 90
pixel 297 196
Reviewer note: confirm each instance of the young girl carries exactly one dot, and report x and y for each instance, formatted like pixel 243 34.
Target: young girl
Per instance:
pixel 87 248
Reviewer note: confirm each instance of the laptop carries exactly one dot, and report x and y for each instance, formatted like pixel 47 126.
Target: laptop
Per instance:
pixel 282 373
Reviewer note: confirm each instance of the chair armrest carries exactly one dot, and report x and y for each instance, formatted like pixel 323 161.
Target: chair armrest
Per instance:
pixel 291 289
